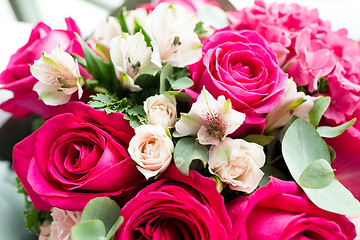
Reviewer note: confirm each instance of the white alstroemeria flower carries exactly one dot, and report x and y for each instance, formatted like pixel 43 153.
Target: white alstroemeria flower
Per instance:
pixel 139 15
pixel 104 32
pixel 171 28
pixel 237 163
pixel 211 119
pixel 292 100
pixel 59 77
pixel 131 57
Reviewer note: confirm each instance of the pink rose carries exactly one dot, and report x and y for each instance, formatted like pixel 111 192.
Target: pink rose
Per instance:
pixel 281 210
pixel 176 207
pixel 62 223
pixel 77 155
pixel 190 5
pixel 240 66
pixel 17 77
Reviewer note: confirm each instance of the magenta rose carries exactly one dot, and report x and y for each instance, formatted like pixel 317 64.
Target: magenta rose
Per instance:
pixel 176 207
pixel 281 210
pixel 17 77
pixel 240 66
pixel 77 155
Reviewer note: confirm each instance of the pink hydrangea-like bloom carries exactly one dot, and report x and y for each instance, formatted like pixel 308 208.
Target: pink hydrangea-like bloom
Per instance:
pixel 190 5
pixel 62 223
pixel 281 210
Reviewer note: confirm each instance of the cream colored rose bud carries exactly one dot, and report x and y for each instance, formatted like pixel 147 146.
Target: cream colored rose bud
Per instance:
pixel 161 110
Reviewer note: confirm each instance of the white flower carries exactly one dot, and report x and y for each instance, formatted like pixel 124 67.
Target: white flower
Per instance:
pixel 131 57
pixel 161 110
pixel 104 32
pixel 172 31
pixel 237 163
pixel 139 15
pixel 59 77
pixel 211 119
pixel 292 101
pixel 151 149
pixel 62 223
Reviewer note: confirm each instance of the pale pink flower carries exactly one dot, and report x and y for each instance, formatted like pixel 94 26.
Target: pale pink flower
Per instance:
pixel 356 222
pixel 237 163
pixel 151 148
pixel 59 77
pixel 45 230
pixel 293 101
pixel 62 223
pixel 161 110
pixel 212 120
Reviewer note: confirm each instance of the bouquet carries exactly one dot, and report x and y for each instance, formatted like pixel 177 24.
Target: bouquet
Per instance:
pixel 179 120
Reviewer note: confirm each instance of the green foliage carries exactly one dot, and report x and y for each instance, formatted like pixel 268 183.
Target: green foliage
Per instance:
pixel 319 108
pixel 199 29
pixel 301 146
pixel 331 132
pixel 318 174
pixel 100 70
pixel 33 217
pixel 188 149
pixel 100 220
pixel 139 28
pixel 122 20
pixel 262 140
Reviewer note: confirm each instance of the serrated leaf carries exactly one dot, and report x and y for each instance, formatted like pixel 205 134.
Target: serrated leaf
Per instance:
pixel 318 110
pixel 213 16
pixel 88 230
pixel 331 132
pixel 165 73
pixel 182 83
pixel 301 146
pixel 317 174
pixel 134 121
pixel 186 150
pixel 104 209
pixel 100 70
pixel 262 140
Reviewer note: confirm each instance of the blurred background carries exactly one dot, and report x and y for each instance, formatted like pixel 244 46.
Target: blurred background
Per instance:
pixel 17 17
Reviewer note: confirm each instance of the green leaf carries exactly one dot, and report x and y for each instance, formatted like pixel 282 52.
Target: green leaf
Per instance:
pixel 262 140
pixel 319 108
pixel 182 83
pixel 317 174
pixel 148 80
pixel 301 146
pixel 270 170
pixel 139 28
pixel 122 20
pixel 213 16
pixel 199 29
pixel 115 227
pixel 100 70
pixel 186 150
pixel 180 96
pixel 104 209
pixel 165 73
pixel 88 230
pixel 79 59
pixel 332 153
pixel 331 132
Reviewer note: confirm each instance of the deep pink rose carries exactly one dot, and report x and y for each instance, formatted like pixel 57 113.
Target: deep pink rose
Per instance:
pixel 17 77
pixel 281 210
pixel 77 155
pixel 240 66
pixel 176 207
pixel 190 5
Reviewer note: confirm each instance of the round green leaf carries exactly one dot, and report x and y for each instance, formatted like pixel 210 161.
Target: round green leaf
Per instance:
pixel 104 209
pixel 88 230
pixel 182 83
pixel 319 108
pixel 115 227
pixel 318 174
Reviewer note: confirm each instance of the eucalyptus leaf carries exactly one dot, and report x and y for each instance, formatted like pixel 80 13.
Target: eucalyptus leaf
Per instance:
pixel 89 230
pixel 104 209
pixel 318 174
pixel 115 227
pixel 213 16
pixel 182 83
pixel 147 80
pixel 165 73
pixel 318 110
pixel 262 140
pixel 301 146
pixel 180 96
pixel 331 132
pixel 186 150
